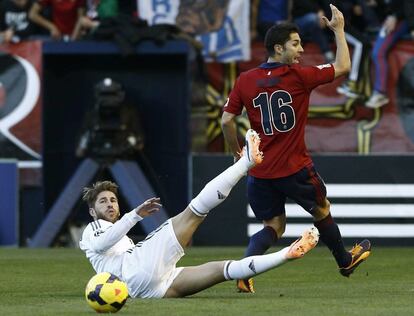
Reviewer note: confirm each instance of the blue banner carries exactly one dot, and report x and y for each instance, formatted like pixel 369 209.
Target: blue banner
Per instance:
pixel 9 224
pixel 222 26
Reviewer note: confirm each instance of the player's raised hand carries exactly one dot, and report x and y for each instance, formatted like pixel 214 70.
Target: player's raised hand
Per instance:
pixel 149 207
pixel 337 20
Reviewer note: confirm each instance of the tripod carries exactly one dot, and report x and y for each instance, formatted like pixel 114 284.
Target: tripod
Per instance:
pixel 131 180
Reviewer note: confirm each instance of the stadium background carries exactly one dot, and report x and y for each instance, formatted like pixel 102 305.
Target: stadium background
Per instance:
pixel 179 101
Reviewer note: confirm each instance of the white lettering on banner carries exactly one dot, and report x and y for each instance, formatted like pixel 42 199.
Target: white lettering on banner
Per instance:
pixel 158 11
pixel 17 19
pixel 230 43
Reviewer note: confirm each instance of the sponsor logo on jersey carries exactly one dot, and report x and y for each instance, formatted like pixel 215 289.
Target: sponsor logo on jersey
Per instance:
pixel 97 233
pixel 227 102
pixel 324 66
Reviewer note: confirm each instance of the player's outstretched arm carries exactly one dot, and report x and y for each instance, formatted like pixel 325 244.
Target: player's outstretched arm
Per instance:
pixel 149 207
pixel 342 62
pixel 229 128
pixel 101 238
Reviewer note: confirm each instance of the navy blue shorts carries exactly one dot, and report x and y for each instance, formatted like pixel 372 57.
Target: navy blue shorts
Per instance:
pixel 267 197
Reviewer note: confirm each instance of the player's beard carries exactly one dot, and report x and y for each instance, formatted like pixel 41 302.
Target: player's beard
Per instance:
pixel 114 217
pixel 109 217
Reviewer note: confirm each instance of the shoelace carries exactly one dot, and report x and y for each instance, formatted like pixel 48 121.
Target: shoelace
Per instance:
pixel 250 282
pixel 246 285
pixel 356 249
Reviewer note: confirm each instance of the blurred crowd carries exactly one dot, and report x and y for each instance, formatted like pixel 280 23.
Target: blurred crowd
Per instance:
pixel 372 27
pixel 57 19
pixel 362 15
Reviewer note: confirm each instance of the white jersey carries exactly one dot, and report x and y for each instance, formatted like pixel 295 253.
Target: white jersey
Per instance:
pixel 105 243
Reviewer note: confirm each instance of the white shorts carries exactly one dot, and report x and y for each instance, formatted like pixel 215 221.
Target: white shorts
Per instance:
pixel 150 268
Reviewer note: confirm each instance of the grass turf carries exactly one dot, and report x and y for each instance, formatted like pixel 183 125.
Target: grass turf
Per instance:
pixel 52 281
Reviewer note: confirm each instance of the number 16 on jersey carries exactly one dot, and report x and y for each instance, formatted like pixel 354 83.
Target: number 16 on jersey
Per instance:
pixel 276 111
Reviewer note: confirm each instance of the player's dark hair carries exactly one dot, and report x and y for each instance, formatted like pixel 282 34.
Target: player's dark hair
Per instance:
pixel 279 34
pixel 89 195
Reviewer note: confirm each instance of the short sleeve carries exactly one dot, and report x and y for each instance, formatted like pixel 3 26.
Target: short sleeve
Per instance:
pixel 234 103
pixel 314 76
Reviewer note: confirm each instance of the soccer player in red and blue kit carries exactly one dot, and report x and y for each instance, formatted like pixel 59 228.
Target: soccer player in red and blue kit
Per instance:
pixel 276 98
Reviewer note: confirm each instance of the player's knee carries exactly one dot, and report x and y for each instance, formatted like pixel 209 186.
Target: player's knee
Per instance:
pixel 326 205
pixel 280 230
pixel 322 210
pixel 278 224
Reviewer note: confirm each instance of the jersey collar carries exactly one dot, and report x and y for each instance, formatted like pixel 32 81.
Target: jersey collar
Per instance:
pixel 271 65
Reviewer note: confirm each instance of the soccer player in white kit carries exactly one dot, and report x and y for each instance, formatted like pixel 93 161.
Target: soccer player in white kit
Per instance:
pixel 149 267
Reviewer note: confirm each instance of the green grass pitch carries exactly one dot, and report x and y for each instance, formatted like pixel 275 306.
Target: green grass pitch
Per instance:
pixel 52 282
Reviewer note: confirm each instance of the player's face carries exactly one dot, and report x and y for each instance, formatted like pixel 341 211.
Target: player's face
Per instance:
pixel 107 207
pixel 292 50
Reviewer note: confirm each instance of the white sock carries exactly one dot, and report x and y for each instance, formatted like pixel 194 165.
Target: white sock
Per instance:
pixel 250 266
pixel 217 190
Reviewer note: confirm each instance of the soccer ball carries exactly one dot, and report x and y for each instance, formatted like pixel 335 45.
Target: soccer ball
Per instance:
pixel 106 293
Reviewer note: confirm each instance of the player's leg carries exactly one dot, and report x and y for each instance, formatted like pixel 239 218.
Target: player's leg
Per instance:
pixel 268 205
pixel 217 190
pixel 330 234
pixel 195 279
pixel 361 45
pixel 261 241
pixel 349 86
pixel 310 193
pixel 382 46
pixel 192 280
